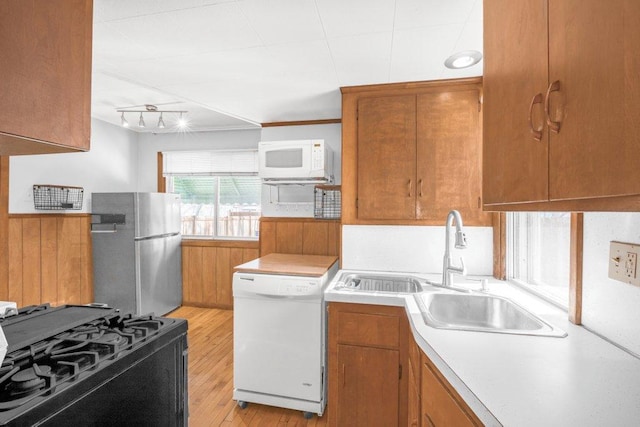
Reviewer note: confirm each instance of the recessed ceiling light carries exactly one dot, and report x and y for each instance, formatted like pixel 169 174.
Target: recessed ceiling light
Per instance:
pixel 463 59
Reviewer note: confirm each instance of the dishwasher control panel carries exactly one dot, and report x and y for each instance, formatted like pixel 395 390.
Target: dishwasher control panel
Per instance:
pixel 247 284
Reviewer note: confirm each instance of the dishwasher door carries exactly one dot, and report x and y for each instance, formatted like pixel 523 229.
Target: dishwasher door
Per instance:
pixel 279 350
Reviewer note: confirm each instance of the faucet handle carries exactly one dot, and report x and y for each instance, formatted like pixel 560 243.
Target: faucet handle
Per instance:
pixel 463 267
pixel 461 270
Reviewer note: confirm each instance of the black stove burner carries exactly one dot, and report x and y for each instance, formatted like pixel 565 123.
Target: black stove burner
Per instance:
pixel 29 381
pixel 44 365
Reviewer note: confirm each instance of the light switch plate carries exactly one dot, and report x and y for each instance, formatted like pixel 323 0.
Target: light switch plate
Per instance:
pixel 623 262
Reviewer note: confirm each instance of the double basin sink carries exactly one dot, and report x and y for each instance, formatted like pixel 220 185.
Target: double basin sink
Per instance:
pixel 448 309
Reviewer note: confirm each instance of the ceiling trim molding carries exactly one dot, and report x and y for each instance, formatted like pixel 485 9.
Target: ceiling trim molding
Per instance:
pixel 302 123
pixel 411 85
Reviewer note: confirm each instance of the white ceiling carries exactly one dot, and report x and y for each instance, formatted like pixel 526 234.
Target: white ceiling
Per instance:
pixel 238 63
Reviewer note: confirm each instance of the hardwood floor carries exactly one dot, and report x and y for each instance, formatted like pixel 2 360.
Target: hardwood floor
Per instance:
pixel 211 377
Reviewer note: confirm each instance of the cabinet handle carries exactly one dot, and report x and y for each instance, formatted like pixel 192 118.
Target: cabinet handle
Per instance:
pixel 409 188
pixel 537 133
pixel 553 87
pixel 420 187
pixel 344 377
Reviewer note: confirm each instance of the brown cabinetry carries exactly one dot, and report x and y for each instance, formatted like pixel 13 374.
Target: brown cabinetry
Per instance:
pixel 46 76
pixel 441 404
pixel 207 270
pixel 367 357
pixel 304 236
pixel 414 409
pixel 411 153
pixel 561 101
pixel 379 376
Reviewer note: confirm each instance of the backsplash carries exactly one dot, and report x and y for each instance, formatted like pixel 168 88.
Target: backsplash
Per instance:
pixel 609 308
pixel 416 249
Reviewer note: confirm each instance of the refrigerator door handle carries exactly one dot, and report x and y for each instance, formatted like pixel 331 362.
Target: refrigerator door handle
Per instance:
pixel 104 230
pixel 157 236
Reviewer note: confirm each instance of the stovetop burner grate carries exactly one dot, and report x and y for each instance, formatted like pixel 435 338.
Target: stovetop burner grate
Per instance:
pixel 36 370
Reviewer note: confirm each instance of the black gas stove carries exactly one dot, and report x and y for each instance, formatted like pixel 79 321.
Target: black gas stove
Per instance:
pixel 90 365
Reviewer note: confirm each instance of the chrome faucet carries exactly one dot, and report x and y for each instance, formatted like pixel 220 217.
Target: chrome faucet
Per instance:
pixel 448 269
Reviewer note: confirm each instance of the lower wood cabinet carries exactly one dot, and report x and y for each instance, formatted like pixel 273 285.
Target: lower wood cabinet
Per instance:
pixel 379 376
pixel 207 270
pixel 367 365
pixel 441 405
pixel 368 386
pixel 414 409
pixel 305 236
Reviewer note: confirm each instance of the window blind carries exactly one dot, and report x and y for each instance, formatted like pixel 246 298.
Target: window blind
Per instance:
pixel 210 163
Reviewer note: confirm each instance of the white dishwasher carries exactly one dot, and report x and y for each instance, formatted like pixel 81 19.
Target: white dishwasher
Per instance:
pixel 279 332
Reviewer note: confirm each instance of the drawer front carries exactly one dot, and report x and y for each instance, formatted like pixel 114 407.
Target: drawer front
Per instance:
pixel 376 330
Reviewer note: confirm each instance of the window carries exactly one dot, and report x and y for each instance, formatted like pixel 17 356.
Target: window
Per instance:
pixel 538 245
pixel 220 192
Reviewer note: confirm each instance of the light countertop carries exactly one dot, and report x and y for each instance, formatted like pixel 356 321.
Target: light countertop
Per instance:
pixel 520 380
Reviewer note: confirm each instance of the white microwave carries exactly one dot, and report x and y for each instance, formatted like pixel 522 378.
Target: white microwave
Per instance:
pixel 303 161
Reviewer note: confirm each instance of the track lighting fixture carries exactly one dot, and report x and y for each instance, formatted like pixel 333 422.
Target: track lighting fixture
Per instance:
pixel 181 122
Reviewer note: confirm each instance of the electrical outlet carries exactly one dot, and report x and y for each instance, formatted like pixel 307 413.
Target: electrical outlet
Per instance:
pixel 630 264
pixel 623 262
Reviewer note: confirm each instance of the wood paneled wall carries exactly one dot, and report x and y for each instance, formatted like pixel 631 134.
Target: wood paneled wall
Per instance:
pixel 207 270
pixel 307 236
pixel 49 259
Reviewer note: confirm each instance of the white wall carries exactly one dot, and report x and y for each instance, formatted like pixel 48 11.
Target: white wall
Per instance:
pixel 150 144
pixel 297 200
pixel 609 307
pixel 417 249
pixel 110 165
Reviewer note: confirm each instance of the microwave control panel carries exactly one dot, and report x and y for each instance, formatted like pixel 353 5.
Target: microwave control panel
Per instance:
pixel 317 156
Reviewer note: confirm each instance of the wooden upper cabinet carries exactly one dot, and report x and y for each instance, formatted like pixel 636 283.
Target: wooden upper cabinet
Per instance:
pixel 515 163
pixel 46 76
pixel 411 152
pixel 387 157
pixel 594 52
pixel 566 69
pixel 449 156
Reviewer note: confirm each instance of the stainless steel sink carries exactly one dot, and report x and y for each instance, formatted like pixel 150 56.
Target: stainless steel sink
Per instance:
pixel 379 283
pixel 480 312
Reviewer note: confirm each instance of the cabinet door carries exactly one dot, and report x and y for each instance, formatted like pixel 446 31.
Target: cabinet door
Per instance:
pixel 515 71
pixel 368 381
pixel 594 52
pixel 449 156
pixel 387 157
pixel 46 72
pixel 439 408
pixel 413 414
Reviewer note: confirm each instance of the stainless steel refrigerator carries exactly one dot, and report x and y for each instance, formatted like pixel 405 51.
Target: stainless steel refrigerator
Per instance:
pixel 136 251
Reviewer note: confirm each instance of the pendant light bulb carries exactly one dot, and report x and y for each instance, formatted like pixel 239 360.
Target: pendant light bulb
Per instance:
pixel 160 122
pixel 124 121
pixel 182 123
pixel 141 122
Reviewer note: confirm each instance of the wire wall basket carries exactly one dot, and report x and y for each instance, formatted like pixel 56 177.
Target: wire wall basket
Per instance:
pixel 57 197
pixel 327 202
